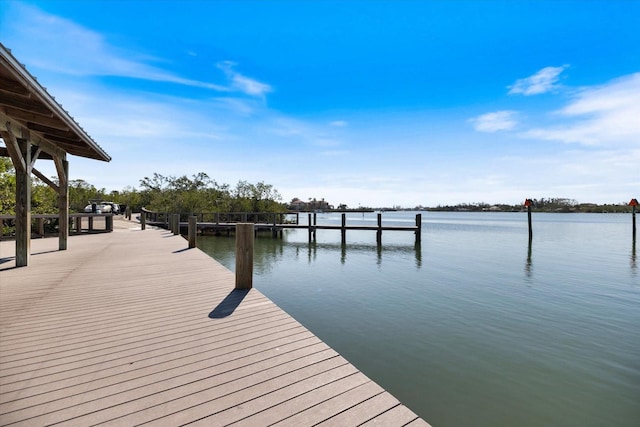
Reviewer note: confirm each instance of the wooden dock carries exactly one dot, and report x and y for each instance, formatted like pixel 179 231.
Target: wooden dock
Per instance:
pixel 173 222
pixel 131 327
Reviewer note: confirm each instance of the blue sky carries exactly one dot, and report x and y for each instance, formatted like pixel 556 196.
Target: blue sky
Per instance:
pixel 372 103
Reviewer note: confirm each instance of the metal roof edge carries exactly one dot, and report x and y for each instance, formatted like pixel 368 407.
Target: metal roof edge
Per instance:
pixel 32 83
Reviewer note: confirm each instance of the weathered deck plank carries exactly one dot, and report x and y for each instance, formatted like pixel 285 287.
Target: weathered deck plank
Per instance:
pixel 130 327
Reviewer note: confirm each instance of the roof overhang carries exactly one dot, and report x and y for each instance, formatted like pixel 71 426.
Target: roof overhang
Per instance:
pixel 27 107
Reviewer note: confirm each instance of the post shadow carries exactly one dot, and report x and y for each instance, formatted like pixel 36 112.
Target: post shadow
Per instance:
pixel 229 304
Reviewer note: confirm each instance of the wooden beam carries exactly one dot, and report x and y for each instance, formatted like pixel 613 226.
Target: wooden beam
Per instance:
pixel 47 147
pixel 74 141
pixel 46 180
pixel 31 105
pixel 31 117
pixel 11 142
pixel 51 131
pixel 35 155
pixel 14 87
pixel 43 156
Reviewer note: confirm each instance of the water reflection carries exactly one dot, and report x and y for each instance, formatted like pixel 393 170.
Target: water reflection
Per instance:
pixel 634 264
pixel 356 248
pixel 528 267
pixel 268 251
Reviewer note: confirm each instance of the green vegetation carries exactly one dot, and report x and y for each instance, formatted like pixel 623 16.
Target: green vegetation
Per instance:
pixel 182 194
pixel 552 204
pixel 202 194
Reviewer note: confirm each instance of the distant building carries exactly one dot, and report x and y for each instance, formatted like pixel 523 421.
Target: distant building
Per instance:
pixel 312 205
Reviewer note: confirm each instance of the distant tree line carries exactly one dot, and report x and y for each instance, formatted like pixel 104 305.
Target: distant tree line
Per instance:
pixel 182 194
pixel 552 204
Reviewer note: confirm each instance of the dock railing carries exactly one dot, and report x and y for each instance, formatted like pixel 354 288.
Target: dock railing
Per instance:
pixel 274 222
pixel 47 224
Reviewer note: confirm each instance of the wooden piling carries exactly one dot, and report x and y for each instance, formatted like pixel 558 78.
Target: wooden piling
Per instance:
pixel 244 255
pixel 419 230
pixel 143 220
pixel 175 220
pixel 193 220
pixel 343 230
pixel 633 220
pixel 315 222
pixel 274 230
pixel 379 232
pixel 528 203
pixel 633 203
pixel 41 227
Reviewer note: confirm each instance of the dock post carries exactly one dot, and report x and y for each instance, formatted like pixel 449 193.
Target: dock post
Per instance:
pixel 41 226
pixel 379 232
pixel 343 230
pixel 633 203
pixel 309 228
pixel 419 228
pixel 175 220
pixel 143 220
pixel 192 231
pixel 314 226
pixel 244 255
pixel 528 203
pixel 274 232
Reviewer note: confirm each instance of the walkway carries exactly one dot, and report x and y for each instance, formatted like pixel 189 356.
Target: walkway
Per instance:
pixel 131 327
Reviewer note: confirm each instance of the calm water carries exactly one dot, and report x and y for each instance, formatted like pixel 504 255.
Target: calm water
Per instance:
pixel 474 328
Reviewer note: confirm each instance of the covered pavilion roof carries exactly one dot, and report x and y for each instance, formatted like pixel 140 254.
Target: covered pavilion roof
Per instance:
pixel 26 104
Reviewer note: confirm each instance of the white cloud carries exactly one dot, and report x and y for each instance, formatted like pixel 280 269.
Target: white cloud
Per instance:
pixel 494 122
pixel 51 42
pixel 601 115
pixel 338 123
pixel 242 83
pixel 541 82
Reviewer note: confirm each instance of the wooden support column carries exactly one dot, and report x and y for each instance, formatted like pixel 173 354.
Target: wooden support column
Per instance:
pixel 23 206
pixel 62 167
pixel 379 232
pixel 20 152
pixel 419 228
pixel 343 229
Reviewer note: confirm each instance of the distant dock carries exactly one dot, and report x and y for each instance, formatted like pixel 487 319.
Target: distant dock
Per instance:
pixel 274 223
